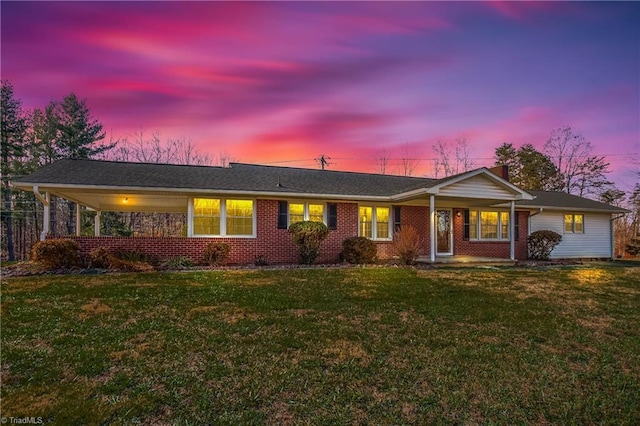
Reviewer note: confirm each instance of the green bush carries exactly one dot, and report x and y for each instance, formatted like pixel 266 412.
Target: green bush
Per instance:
pixel 308 235
pixel 541 243
pixel 359 250
pixel 216 253
pixel 56 253
pixel 406 244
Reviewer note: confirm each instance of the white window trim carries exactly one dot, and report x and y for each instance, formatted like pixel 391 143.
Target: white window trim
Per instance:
pixel 374 221
pixel 479 226
pixel 573 223
pixel 305 210
pixel 223 218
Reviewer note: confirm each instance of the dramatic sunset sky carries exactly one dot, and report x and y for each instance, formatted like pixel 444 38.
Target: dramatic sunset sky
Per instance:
pixel 281 83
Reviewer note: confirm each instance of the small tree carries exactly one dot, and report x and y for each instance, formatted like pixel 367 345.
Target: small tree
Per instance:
pixel 406 244
pixel 541 244
pixel 308 235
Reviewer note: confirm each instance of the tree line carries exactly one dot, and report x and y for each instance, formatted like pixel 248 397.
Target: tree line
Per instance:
pixel 67 129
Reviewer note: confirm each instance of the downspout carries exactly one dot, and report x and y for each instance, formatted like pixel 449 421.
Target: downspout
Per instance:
pixel 612 234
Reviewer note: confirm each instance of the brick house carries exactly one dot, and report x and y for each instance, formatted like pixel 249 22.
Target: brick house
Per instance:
pixel 477 213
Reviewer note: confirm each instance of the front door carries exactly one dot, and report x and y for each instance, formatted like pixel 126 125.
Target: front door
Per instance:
pixel 443 232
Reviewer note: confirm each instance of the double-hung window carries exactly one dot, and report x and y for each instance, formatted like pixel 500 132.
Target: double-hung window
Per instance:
pixel 292 212
pixel 306 211
pixel 221 217
pixel 574 224
pixel 374 222
pixel 487 225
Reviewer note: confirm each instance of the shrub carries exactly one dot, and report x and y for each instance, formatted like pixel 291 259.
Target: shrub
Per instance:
pixel 136 256
pixel 179 262
pixel 100 257
pixel 406 244
pixel 130 266
pixel 56 253
pixel 121 260
pixel 359 250
pixel 261 260
pixel 541 243
pixel 216 253
pixel 308 235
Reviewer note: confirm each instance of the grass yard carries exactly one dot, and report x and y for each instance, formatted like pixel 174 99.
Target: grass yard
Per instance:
pixel 325 346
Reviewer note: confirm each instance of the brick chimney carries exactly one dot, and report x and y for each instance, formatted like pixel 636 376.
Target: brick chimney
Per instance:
pixel 501 170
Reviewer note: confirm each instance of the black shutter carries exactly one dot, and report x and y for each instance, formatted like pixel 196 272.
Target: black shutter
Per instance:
pixel 466 223
pixel 516 227
pixel 396 218
pixel 332 216
pixel 283 214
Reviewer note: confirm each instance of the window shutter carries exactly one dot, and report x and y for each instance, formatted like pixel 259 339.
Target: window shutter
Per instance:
pixel 283 214
pixel 332 216
pixel 466 223
pixel 516 227
pixel 396 218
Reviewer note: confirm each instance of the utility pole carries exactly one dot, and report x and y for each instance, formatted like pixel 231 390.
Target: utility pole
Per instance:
pixel 323 161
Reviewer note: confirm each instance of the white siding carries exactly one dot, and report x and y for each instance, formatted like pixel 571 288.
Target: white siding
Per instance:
pixel 595 242
pixel 477 187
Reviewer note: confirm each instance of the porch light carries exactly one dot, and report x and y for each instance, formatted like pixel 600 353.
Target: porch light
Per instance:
pixel 458 213
pixel 126 200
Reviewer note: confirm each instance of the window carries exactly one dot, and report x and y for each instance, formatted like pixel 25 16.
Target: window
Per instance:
pixel 366 222
pixel 316 212
pixel 289 213
pixel 489 225
pixel 296 213
pixel 216 217
pixel 239 217
pixel 574 223
pixel 374 222
pixel 486 225
pixel 206 216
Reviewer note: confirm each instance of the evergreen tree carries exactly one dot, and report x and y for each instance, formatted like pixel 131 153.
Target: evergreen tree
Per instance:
pixel 529 169
pixel 12 148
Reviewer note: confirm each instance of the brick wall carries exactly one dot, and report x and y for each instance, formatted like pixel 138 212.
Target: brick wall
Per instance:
pixel 276 246
pixel 497 249
pixel 272 243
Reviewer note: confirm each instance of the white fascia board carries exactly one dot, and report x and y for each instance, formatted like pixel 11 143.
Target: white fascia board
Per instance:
pixel 571 209
pixel 56 188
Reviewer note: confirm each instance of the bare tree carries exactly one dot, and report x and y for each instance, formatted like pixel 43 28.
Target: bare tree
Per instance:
pixel 582 172
pixel 451 160
pixel 382 161
pixel 408 163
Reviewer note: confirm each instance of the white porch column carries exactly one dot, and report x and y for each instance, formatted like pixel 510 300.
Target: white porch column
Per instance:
pixel 512 232
pixel 78 221
pixel 432 226
pixel 96 224
pixel 46 219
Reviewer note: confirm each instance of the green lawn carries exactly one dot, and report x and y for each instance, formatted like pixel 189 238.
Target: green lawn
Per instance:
pixel 325 346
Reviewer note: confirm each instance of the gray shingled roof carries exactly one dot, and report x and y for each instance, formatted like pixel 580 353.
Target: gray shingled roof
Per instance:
pixel 551 199
pixel 238 177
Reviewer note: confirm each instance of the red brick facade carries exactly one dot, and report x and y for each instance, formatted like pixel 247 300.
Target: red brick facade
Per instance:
pixel 275 244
